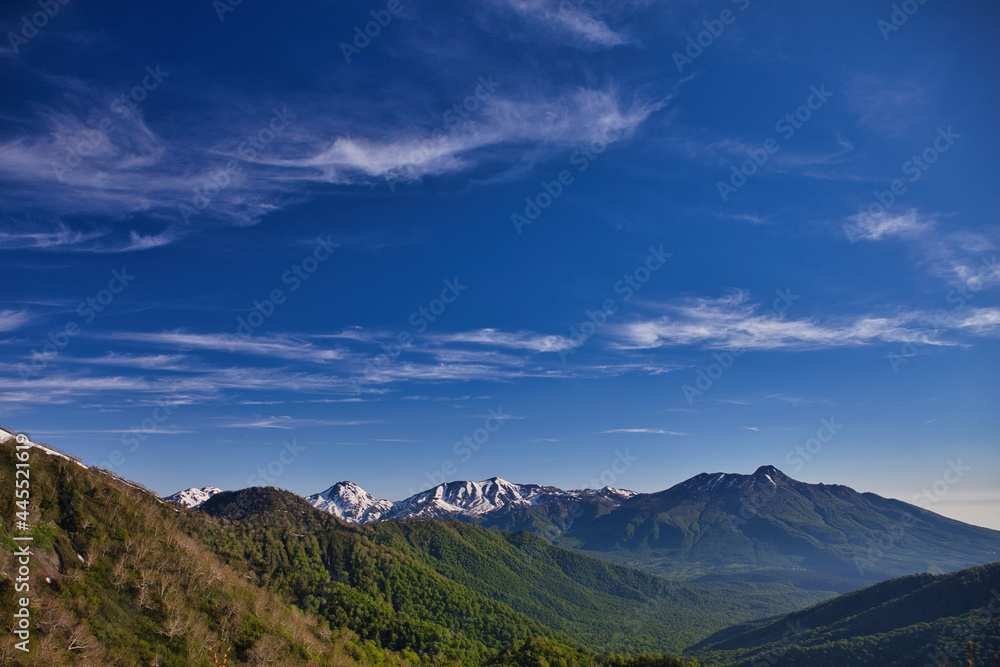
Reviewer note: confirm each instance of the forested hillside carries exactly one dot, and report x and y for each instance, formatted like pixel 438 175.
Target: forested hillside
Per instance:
pixel 398 583
pixel 116 580
pixel 121 578
pixel 915 620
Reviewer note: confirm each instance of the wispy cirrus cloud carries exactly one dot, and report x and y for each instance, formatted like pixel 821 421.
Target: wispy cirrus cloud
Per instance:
pixel 733 322
pixel 158 362
pixel 885 225
pixel 288 423
pixel 56 235
pixel 35 235
pixel 649 431
pixel 13 319
pixel 569 22
pixel 795 400
pixel 888 105
pixel 518 340
pixel 504 124
pixel 446 399
pixel 116 431
pixel 277 346
pixel 962 257
pixel 133 169
pixel 710 147
pixel 456 372
pixel 205 385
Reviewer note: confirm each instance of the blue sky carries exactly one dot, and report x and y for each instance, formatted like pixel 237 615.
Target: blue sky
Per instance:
pixel 581 243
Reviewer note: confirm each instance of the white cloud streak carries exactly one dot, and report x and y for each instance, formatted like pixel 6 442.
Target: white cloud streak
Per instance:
pixel 13 319
pixel 277 346
pixel 649 431
pixel 288 423
pixel 570 22
pixel 734 323
pixel 575 118
pixel 964 258
pixel 517 340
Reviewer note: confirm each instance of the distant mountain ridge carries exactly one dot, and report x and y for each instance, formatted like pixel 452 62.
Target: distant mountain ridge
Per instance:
pixel 348 501
pixel 403 583
pixel 762 527
pixel 768 525
pixel 491 495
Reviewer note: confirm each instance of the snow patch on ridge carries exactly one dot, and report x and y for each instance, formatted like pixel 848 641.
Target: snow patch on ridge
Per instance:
pixel 709 482
pixel 350 502
pixel 6 435
pixel 193 497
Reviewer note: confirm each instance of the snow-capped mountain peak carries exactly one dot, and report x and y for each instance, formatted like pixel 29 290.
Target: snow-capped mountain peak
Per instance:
pixel 348 501
pixel 468 498
pixel 193 497
pixel 612 492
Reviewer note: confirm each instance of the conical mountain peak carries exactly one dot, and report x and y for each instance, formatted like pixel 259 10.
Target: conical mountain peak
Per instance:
pixel 771 472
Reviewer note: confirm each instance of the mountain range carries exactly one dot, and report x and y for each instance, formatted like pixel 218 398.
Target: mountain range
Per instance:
pixel 348 501
pixel 261 575
pixel 760 527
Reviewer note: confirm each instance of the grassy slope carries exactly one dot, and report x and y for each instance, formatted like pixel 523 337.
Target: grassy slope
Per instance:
pixel 128 587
